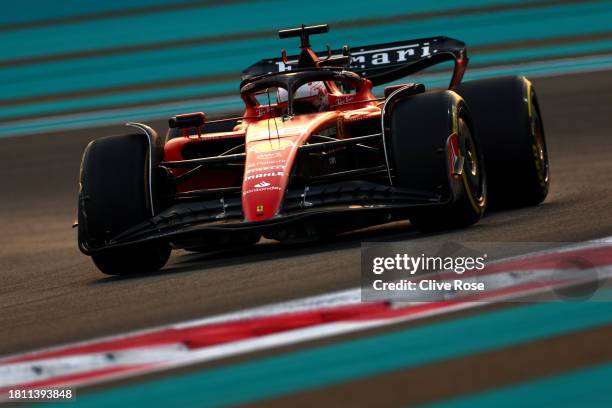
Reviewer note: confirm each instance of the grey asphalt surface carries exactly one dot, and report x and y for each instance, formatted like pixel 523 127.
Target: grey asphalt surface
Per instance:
pixel 50 293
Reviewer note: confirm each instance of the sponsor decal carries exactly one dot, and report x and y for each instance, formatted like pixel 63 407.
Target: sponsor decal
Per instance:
pixel 271 145
pixel 393 55
pixel 259 190
pixel 259 209
pixel 345 99
pixel 263 110
pixel 282 66
pixel 224 135
pixel 262 184
pixel 356 117
pixel 265 156
pixel 267 163
pixel 265 169
pixel 363 58
pixel 262 175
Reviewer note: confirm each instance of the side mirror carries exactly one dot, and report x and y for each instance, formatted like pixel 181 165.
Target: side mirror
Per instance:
pixel 187 120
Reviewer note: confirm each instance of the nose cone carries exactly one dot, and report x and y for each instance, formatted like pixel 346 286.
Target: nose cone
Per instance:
pixel 266 176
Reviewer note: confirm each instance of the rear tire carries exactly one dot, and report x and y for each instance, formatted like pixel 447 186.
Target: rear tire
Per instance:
pixel 115 194
pixel 421 127
pixel 509 124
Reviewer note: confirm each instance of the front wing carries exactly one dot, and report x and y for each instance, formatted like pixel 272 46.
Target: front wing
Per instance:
pixel 352 204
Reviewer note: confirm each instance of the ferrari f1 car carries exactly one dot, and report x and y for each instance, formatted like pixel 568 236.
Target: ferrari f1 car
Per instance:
pixel 316 153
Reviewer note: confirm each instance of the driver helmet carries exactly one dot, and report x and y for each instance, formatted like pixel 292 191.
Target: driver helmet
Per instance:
pixel 309 98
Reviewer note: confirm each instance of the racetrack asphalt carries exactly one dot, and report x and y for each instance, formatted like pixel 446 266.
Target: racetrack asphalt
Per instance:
pixel 51 294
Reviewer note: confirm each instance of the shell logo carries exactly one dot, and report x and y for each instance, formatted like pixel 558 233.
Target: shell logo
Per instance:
pixel 271 145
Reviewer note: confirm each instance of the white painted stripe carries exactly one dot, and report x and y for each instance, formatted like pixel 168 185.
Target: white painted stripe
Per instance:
pixel 327 300
pixel 45 369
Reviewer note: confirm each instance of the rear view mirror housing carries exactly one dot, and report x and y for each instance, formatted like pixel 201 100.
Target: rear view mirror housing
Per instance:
pixel 187 120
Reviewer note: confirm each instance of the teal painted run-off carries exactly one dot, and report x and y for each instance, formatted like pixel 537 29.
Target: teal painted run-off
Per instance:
pixel 186 62
pixel 588 387
pixel 293 372
pixel 205 21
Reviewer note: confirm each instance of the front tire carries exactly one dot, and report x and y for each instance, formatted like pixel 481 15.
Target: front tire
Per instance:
pixel 116 193
pixel 430 134
pixel 133 259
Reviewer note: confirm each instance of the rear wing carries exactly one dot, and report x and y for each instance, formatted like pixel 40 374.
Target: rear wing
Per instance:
pixel 381 63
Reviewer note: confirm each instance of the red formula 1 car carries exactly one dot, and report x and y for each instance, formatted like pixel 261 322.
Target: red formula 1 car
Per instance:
pixel 316 153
